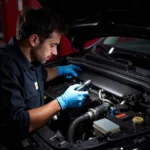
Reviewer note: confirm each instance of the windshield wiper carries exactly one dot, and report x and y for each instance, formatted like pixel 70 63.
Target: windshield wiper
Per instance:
pixel 106 58
pixel 125 61
pixel 134 55
pixel 105 52
pixel 109 55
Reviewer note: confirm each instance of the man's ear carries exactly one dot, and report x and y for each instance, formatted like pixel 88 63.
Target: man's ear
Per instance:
pixel 34 40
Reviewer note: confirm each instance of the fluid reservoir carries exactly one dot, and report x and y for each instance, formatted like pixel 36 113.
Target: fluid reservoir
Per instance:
pixel 137 121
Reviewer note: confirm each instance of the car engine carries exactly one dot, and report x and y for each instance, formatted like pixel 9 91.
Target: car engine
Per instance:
pixel 115 115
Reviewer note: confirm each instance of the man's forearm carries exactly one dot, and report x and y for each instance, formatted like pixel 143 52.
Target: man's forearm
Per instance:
pixel 52 73
pixel 39 116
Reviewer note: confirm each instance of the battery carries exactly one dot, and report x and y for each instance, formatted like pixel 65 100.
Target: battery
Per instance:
pixel 104 126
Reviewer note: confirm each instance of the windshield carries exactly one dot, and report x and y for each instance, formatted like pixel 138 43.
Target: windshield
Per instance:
pixel 128 43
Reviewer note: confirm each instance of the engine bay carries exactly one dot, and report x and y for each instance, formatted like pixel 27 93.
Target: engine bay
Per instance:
pixel 113 115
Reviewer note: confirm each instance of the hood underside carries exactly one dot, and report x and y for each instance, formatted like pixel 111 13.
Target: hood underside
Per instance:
pixel 135 12
pixel 119 18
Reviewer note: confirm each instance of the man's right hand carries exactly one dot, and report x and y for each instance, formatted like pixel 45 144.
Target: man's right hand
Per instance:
pixel 72 98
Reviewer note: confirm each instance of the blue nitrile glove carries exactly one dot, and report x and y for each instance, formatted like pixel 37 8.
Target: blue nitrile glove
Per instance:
pixel 68 70
pixel 72 98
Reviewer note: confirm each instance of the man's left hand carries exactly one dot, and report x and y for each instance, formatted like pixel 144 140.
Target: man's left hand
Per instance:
pixel 69 70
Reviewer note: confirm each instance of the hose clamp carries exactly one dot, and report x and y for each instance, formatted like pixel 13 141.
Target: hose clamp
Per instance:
pixel 93 112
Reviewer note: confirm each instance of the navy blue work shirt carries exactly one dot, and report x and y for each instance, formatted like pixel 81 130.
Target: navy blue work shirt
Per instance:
pixel 21 89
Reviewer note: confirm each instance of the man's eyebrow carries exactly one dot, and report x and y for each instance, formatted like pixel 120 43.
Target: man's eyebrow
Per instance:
pixel 54 44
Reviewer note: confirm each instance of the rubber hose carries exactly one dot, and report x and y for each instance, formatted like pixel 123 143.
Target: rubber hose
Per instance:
pixel 73 125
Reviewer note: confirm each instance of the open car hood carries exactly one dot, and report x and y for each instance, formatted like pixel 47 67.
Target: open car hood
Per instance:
pixel 103 18
pixel 133 12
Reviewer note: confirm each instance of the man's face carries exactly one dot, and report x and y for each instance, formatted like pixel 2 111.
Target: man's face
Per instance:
pixel 43 52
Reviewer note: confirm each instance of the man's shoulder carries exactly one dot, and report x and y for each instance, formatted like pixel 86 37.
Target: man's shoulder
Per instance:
pixel 5 56
pixel 4 46
pixel 7 60
pixel 4 49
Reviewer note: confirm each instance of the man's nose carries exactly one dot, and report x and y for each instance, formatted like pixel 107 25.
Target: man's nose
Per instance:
pixel 54 51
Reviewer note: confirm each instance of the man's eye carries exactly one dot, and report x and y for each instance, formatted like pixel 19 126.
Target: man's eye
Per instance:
pixel 52 46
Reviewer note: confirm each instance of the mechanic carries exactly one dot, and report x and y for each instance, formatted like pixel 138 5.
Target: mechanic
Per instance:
pixel 22 76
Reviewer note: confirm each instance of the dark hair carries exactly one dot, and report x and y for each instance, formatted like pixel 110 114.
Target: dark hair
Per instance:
pixel 41 22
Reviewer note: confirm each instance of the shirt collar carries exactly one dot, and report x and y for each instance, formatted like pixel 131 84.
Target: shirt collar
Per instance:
pixel 17 53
